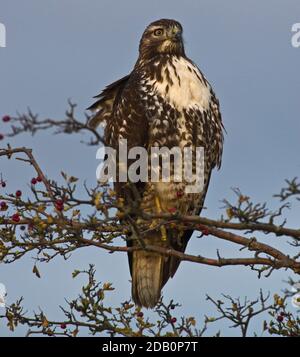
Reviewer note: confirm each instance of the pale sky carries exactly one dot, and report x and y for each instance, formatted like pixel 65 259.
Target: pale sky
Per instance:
pixel 64 49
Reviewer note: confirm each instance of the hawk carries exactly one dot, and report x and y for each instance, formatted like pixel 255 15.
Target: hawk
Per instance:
pixel 165 101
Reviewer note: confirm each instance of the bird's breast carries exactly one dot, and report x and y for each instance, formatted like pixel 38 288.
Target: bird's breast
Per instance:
pixel 182 85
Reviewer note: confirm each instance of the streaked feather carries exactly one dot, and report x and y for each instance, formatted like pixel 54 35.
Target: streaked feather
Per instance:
pixel 106 99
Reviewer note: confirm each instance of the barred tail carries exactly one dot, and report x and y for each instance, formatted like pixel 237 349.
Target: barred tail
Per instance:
pixel 147 278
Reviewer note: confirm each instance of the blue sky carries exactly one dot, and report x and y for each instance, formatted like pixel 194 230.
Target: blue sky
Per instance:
pixel 64 49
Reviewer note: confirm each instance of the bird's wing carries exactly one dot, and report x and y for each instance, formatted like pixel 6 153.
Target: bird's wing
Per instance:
pixel 218 129
pixel 128 121
pixel 103 107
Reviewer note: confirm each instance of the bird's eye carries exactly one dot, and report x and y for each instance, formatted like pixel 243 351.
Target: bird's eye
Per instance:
pixel 158 32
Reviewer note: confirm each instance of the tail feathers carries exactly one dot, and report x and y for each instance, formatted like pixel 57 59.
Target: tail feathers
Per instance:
pixel 147 278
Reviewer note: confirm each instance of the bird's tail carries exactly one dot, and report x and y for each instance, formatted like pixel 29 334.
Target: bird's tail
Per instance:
pixel 147 278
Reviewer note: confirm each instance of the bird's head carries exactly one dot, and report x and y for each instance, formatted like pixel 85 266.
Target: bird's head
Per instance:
pixel 162 37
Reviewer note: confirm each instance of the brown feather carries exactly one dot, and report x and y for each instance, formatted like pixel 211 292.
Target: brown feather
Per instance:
pixel 138 108
pixel 105 103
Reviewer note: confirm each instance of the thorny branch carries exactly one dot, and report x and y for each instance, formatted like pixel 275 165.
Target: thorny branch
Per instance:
pixel 64 233
pixel 30 123
pixel 55 220
pixel 126 320
pixel 89 312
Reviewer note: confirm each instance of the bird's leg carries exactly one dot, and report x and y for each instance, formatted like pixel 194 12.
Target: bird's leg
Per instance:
pixel 162 228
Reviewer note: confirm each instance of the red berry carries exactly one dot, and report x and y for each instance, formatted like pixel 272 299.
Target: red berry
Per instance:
pixel 39 179
pixel 18 193
pixel 34 181
pixel 15 217
pixel 63 326
pixel 1 136
pixel 6 118
pixel 3 206
pixel 3 184
pixel 172 209
pixel 59 207
pixel 279 318
pixel 205 232
pixel 140 314
pixel 59 204
pixel 203 229
pixel 173 320
pixel 179 194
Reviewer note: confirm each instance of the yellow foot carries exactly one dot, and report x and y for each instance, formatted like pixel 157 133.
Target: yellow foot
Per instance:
pixel 162 228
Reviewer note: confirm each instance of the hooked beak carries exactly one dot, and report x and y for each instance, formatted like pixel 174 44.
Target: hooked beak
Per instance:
pixel 174 34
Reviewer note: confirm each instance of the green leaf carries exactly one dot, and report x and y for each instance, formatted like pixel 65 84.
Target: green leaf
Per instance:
pixel 75 273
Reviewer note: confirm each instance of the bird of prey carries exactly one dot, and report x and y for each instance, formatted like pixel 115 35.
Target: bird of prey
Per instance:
pixel 164 102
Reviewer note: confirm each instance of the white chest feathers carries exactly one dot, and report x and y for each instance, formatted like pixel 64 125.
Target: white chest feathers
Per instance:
pixel 183 85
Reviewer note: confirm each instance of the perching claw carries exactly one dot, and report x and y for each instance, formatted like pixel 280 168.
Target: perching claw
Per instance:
pixel 162 228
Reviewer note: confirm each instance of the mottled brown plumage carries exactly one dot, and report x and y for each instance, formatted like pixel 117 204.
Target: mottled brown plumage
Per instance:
pixel 164 101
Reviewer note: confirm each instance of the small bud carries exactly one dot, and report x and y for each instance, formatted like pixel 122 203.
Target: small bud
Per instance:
pixel 34 181
pixel 18 193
